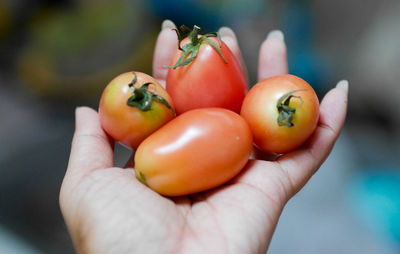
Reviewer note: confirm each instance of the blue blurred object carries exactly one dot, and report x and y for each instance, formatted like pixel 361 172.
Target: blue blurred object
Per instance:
pixel 186 12
pixel 209 15
pixel 375 199
pixel 304 58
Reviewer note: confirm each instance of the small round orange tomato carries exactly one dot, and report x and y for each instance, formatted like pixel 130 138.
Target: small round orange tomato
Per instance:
pixel 197 151
pixel 282 113
pixel 132 106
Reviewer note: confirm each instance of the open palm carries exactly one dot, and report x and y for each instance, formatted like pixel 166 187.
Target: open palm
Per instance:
pixel 107 210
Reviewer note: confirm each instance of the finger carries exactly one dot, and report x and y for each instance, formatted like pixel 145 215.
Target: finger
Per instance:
pixel 229 37
pixel 91 148
pixel 300 165
pixel 272 59
pixel 166 45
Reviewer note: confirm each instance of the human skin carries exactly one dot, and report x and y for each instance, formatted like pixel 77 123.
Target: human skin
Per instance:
pixel 107 210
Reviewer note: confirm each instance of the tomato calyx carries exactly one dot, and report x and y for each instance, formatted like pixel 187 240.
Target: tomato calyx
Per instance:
pixel 142 97
pixel 191 48
pixel 286 112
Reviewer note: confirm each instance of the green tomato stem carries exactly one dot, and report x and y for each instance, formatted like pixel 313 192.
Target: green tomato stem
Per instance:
pixel 142 97
pixel 285 117
pixel 191 49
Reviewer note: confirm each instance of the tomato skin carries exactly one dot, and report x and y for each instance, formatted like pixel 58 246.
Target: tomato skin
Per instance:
pixel 129 125
pixel 260 111
pixel 196 151
pixel 207 81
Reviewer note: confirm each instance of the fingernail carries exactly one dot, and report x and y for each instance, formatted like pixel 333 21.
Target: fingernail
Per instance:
pixel 167 24
pixel 226 31
pixel 276 35
pixel 344 85
pixel 77 109
pixel 78 118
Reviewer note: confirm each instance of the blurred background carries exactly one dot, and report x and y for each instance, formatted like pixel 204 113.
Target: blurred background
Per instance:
pixel 56 55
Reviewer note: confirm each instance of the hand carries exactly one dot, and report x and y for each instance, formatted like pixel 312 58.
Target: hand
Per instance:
pixel 107 210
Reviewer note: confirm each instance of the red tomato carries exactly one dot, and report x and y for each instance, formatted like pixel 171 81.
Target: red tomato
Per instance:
pixel 132 106
pixel 208 80
pixel 282 113
pixel 196 151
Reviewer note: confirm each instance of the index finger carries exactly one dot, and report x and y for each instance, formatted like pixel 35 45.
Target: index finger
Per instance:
pixel 166 44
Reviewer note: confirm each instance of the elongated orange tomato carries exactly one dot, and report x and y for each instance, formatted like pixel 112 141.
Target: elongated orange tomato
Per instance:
pixel 209 76
pixel 132 106
pixel 197 151
pixel 282 112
